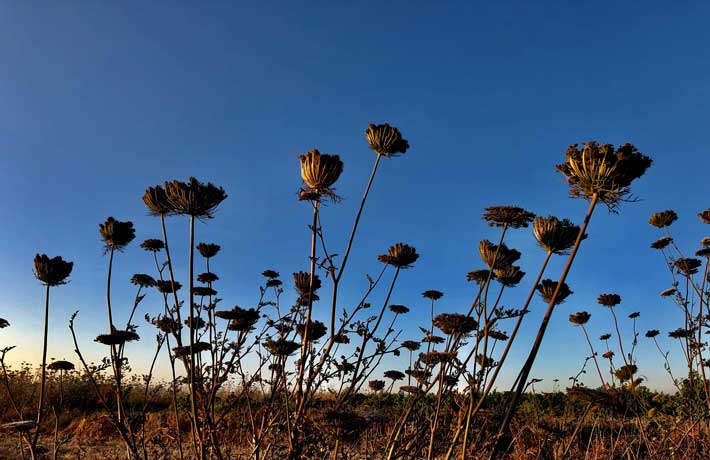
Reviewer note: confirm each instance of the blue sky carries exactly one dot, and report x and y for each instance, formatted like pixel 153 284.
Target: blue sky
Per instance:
pixel 98 101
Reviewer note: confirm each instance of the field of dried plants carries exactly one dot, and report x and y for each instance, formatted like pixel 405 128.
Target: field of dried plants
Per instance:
pixel 273 381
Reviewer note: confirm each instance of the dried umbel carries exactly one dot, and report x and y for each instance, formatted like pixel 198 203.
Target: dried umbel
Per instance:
pixel 687 266
pixel 705 216
pixel 420 375
pixel 663 219
pixel 435 339
pixel 411 345
pixel 208 250
pixel 609 300
pixel 302 281
pixel 320 171
pixel 555 235
pixel 281 347
pixel 116 234
pixel 495 256
pixel 316 330
pixel 207 278
pixel 398 309
pixel 479 276
pixel 704 252
pixel 626 373
pixel 166 286
pixel 117 337
pixel 271 274
pixel 497 335
pixel 167 325
pixel 400 255
pixel 386 140
pixel 547 288
pixel 341 338
pixel 433 358
pixel 681 333
pixel 580 318
pixel 652 333
pixel 605 337
pixel 197 347
pixel 203 291
pixel 432 294
pixel 197 322
pixel 156 200
pixel 376 385
pixel 668 292
pixel 634 315
pixel 599 170
pixel 143 280
pixel 662 242
pixel 509 276
pixel 193 198
pixel 61 365
pixel 608 355
pixel 241 319
pixel 455 323
pixel 507 216
pixel 153 245
pixel 52 272
pixel 394 375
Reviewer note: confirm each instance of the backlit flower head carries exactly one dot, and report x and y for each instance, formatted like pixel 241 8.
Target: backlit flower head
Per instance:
pixel 281 347
pixel 52 272
pixel 316 330
pixel 116 234
pixel 208 250
pixel 705 216
pixel 400 255
pixel 687 266
pixel 609 300
pixel 555 235
pixel 662 242
pixel 509 276
pixel 455 323
pixel 320 171
pixel 663 219
pixel 547 288
pixel 143 280
pixel 398 309
pixel 60 365
pixel 580 318
pixel 394 375
pixel 156 200
pixel 432 294
pixel 479 276
pixel 194 198
pixel 507 216
pixel 652 333
pixel 153 245
pixel 386 140
pixel 495 256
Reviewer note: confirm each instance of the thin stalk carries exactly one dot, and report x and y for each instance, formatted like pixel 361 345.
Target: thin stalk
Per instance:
pixel 594 355
pixel 40 408
pixel 193 390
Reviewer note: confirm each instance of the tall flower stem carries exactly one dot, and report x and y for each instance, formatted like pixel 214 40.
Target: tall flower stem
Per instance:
pixel 594 355
pixel 527 367
pixel 43 382
pixel 193 390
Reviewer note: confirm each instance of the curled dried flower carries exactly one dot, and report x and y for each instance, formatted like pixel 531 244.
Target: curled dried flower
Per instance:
pixel 270 274
pixel 320 171
pixel 705 216
pixel 580 318
pixel 547 289
pixel 207 277
pixel 52 272
pixel 116 234
pixel 661 243
pixel 681 333
pixel 61 365
pixel 281 347
pixel 497 256
pixel 555 235
pixel 507 216
pixel 509 276
pixel 241 319
pixel 157 202
pixel 605 337
pixel 411 345
pixel 152 245
pixel 273 283
pixel 166 287
pixel 626 373
pixel 398 309
pixel 609 300
pixel 394 375
pixel 302 280
pixel 208 250
pixel 193 198
pixel 197 347
pixel 479 276
pixel 117 337
pixel 203 291
pixel 316 330
pixel 432 294
pixel 608 355
pixel 652 333
pixel 687 266
pixel 386 140
pixel 400 255
pixel 435 339
pixel 455 323
pixel 599 170
pixel 634 315
pixel 668 292
pixel 376 385
pixel 663 219
pixel 433 358
pixel 167 325
pixel 143 280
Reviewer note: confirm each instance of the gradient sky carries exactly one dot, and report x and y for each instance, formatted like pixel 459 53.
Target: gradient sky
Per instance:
pixel 99 100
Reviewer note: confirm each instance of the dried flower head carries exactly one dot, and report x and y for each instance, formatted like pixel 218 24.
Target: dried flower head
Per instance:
pixel 60 365
pixel 608 354
pixel 705 216
pixel 432 294
pixel 432 358
pixel 193 198
pixel 203 291
pixel 479 276
pixel 52 272
pixel 609 300
pixel 143 280
pixel 634 315
pixel 272 282
pixel 207 277
pixel 197 347
pixel 399 309
pixel 166 286
pixel 507 216
pixel 661 243
pixel 320 171
pixel 497 335
pixel 687 266
pixel 455 323
pixel 705 242
pixel 116 234
pixel 117 337
pixel 167 325
pixel 420 375
pixel 394 375
pixel 652 333
pixel 555 235
pixel 302 280
pixel 241 319
pixel 497 256
pixel 156 200
pixel 509 276
pixel 376 385
pixel 663 219
pixel 704 252
pixel 681 333
pixel 197 322
pixel 270 274
pixel 208 250
pixel 668 292
pixel 341 338
pixel 281 347
pixel 411 345
pixel 386 140
pixel 547 289
pixel 626 373
pixel 153 245
pixel 605 337
pixel 580 318
pixel 435 339
pixel 599 170
pixel 316 330
pixel 400 255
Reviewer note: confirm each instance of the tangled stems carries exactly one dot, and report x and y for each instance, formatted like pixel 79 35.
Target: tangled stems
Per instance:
pixel 527 367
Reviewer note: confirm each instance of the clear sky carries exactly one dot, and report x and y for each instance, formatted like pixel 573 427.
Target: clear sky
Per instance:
pixel 99 100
